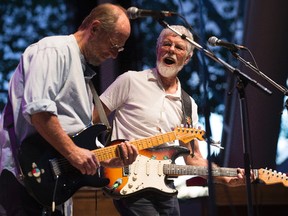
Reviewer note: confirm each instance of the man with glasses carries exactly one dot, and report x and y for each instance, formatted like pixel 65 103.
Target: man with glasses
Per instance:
pixel 49 95
pixel 147 103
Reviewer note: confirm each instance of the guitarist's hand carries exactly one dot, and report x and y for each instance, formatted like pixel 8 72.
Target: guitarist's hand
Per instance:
pixel 50 129
pixel 84 160
pixel 239 180
pixel 128 155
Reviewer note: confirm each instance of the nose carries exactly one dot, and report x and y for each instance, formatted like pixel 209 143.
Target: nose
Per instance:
pixel 171 48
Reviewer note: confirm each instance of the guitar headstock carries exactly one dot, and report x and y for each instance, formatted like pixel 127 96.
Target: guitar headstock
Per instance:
pixel 269 176
pixel 187 134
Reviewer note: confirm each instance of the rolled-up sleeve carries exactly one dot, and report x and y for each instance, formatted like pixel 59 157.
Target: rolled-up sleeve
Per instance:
pixel 39 106
pixel 44 77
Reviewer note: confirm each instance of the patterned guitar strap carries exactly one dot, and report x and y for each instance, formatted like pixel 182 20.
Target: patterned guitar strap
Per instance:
pixel 187 114
pixel 9 126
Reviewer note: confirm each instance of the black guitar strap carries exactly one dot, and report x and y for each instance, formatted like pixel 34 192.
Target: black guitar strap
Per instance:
pixel 187 108
pixel 187 114
pixel 9 126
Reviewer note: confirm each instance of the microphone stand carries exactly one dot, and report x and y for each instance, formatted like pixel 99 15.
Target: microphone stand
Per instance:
pixel 253 68
pixel 243 80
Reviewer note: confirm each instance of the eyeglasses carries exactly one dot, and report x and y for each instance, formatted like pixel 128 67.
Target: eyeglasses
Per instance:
pixel 115 46
pixel 178 47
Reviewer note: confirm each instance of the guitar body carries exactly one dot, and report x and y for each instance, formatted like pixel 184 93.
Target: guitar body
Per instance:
pixel 152 166
pixel 45 170
pixel 145 173
pixel 52 180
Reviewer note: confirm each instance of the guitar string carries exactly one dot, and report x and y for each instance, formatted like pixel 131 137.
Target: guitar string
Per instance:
pixel 142 143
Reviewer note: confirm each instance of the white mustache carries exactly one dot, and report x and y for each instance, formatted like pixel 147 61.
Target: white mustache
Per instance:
pixel 171 56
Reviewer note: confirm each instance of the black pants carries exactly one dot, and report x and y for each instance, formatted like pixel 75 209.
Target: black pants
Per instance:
pixel 16 201
pixel 148 203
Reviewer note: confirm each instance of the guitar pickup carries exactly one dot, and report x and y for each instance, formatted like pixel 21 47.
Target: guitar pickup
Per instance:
pixel 55 167
pixel 126 171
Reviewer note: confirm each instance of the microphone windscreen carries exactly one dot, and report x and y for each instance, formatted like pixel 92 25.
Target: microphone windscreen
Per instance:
pixel 132 12
pixel 213 41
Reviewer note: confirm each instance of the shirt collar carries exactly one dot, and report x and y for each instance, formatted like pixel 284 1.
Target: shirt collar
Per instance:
pixel 152 75
pixel 87 70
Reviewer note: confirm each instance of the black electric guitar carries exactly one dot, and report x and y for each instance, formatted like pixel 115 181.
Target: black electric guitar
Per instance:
pixel 152 168
pixel 52 180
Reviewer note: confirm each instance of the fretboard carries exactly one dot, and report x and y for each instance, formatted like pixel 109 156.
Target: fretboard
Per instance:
pixel 112 151
pixel 176 170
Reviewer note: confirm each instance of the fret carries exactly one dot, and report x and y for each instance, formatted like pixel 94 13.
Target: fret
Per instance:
pixel 154 141
pixel 227 172
pixel 106 153
pixel 183 134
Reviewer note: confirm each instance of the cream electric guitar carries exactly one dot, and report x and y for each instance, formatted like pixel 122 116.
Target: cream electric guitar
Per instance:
pixel 152 167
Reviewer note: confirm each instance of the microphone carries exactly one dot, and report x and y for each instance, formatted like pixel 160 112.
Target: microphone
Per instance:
pixel 134 13
pixel 214 41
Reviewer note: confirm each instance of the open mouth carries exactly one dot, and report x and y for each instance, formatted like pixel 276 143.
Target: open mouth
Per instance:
pixel 169 61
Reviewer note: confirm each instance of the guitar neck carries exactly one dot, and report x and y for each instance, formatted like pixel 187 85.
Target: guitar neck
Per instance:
pixel 177 170
pixel 154 141
pixel 112 151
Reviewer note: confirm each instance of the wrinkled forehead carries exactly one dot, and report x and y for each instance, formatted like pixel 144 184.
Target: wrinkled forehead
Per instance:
pixel 172 36
pixel 180 29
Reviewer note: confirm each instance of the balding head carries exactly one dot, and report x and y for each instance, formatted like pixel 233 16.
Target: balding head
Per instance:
pixel 109 15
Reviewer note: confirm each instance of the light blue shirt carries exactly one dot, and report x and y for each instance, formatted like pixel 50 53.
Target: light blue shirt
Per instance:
pixel 49 78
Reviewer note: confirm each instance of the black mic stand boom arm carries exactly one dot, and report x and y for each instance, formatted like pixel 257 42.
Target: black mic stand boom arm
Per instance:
pixel 257 71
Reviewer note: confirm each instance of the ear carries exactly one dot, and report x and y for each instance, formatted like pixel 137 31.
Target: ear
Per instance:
pixel 188 58
pixel 95 26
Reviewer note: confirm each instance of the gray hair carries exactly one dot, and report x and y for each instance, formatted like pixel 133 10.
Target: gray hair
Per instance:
pixel 180 29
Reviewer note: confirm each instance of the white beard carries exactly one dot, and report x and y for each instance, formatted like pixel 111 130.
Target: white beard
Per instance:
pixel 168 71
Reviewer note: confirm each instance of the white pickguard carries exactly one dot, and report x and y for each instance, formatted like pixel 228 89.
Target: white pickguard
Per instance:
pixel 146 173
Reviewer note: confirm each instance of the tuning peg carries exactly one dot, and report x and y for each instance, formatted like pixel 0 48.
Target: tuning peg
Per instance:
pixel 216 143
pixel 218 146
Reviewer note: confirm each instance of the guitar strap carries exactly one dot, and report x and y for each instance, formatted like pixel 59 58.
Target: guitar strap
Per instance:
pixel 101 112
pixel 187 108
pixel 14 142
pixel 187 114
